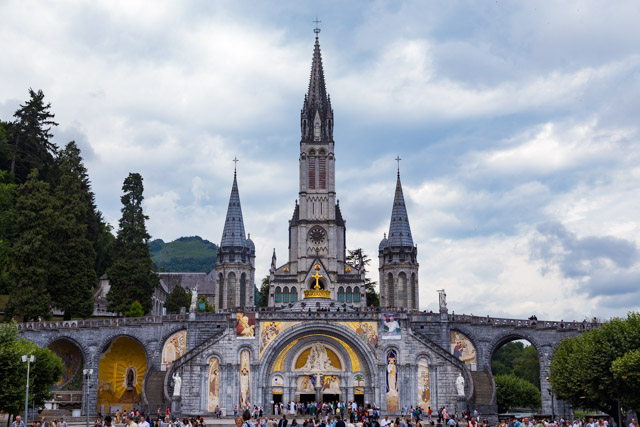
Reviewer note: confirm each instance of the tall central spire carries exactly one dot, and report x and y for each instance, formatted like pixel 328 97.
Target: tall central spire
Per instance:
pixel 316 118
pixel 233 233
pixel 399 229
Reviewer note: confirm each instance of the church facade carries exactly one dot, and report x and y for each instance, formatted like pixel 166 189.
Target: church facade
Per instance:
pixel 317 340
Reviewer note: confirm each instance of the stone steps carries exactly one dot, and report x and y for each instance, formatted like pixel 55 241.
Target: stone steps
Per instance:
pixel 483 388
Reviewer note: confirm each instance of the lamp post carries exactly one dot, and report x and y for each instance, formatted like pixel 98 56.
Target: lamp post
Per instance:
pixel 553 415
pixel 87 376
pixel 29 360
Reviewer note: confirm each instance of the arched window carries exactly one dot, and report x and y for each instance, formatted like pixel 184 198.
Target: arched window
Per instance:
pixel 414 293
pixel 312 172
pixel 231 290
pixel 348 293
pixel 285 294
pixel 341 294
pixel 220 291
pixel 294 294
pixel 391 294
pixel 322 172
pixel 243 289
pixel 356 294
pixel 402 290
pixel 278 294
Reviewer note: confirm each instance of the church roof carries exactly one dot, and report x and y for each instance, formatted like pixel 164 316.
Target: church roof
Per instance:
pixel 399 229
pixel 233 232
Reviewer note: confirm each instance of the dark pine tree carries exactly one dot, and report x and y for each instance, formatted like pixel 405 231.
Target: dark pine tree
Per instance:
pixel 31 138
pixel 177 299
pixel 31 253
pixel 131 275
pixel 72 275
pixel 359 259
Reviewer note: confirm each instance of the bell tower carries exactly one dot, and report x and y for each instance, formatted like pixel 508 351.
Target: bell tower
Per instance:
pixel 317 237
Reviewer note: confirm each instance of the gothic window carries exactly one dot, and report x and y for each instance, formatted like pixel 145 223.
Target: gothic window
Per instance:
pixel 220 291
pixel 294 294
pixel 402 290
pixel 414 295
pixel 341 294
pixel 278 294
pixel 316 127
pixel 231 290
pixel 243 289
pixel 348 294
pixel 322 169
pixel 312 173
pixel 356 294
pixel 285 294
pixel 391 300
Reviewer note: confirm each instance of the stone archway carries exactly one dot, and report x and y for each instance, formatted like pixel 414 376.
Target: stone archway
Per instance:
pixel 282 354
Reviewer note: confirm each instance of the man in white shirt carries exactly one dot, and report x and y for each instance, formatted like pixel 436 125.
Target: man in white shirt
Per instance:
pixel 385 422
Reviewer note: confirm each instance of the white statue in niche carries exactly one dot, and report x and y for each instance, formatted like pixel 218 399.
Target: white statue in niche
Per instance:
pixel 177 384
pixel 194 299
pixel 460 384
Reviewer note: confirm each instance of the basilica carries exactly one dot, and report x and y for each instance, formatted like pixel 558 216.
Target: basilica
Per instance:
pixel 317 340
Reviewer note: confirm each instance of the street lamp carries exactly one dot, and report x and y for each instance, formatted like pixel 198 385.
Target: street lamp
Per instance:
pixel 87 376
pixel 553 415
pixel 29 360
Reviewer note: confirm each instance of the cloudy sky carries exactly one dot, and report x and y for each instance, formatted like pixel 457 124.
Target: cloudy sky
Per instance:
pixel 517 123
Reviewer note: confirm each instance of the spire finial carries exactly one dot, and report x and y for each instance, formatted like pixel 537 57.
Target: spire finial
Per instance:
pixel 316 30
pixel 235 164
pixel 398 160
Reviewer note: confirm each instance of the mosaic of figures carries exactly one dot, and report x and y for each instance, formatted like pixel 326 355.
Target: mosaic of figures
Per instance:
pixel 245 325
pixel 214 384
pixel 245 379
pixel 269 331
pixel 463 349
pixel 367 331
pixel 174 348
pixel 306 384
pixel 71 357
pixel 424 386
pixel 390 327
pixel 121 370
pixel 331 384
pixel 392 382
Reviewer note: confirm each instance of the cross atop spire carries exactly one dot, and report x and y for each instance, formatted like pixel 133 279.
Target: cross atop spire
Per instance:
pixel 399 229
pixel 316 30
pixel 398 160
pixel 235 164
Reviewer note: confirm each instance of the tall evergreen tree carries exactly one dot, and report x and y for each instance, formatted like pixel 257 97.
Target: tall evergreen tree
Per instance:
pixel 31 138
pixel 359 259
pixel 7 212
pixel 131 276
pixel 72 275
pixel 31 253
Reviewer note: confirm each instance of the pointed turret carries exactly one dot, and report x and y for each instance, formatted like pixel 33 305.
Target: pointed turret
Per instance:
pixel 233 233
pixel 399 229
pixel 397 255
pixel 235 267
pixel 316 118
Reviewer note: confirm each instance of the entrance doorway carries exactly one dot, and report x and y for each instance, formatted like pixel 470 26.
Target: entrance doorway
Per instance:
pixel 307 398
pixel 359 399
pixel 277 400
pixel 330 398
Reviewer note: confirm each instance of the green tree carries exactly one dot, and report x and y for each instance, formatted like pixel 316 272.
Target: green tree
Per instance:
pixel 44 372
pixel 32 146
pixel 263 301
pixel 135 310
pixel 589 370
pixel 513 392
pixel 527 366
pixel 177 299
pixel 7 220
pixel 359 259
pixel 31 253
pixel 72 274
pixel 131 275
pixel 626 371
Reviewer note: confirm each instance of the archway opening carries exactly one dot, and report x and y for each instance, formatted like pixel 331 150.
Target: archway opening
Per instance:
pixel 121 371
pixel 68 390
pixel 515 366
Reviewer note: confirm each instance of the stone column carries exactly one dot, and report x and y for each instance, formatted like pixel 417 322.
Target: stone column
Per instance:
pixel 545 386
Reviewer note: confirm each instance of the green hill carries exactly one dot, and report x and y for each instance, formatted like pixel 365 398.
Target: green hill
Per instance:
pixel 186 254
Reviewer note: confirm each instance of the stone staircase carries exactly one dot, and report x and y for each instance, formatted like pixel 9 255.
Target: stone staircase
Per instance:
pixel 483 390
pixel 154 390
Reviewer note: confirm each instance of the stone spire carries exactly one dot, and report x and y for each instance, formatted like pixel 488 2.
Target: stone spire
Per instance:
pixel 233 233
pixel 399 229
pixel 316 115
